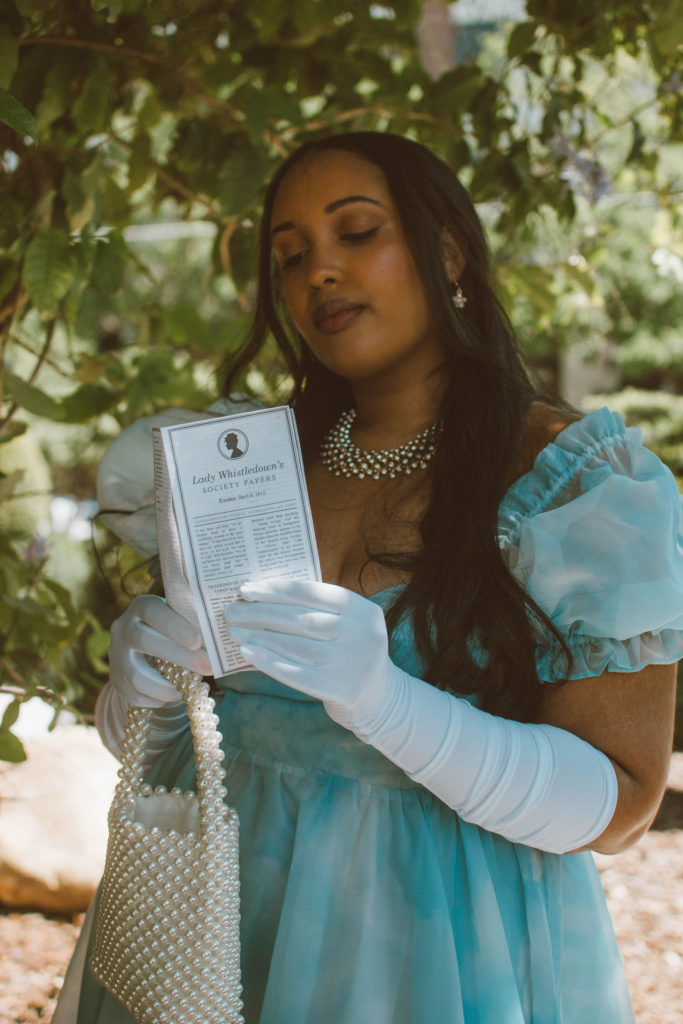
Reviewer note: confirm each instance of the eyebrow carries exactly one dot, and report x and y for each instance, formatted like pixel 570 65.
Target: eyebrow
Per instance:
pixel 287 225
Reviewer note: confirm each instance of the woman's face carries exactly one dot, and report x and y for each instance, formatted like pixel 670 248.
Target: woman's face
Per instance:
pixel 348 277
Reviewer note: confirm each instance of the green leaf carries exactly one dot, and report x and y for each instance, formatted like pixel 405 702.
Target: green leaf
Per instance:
pixel 48 268
pixel 240 179
pixel 115 203
pixel 311 19
pixel 13 429
pixel 81 405
pixel 667 27
pixel 9 274
pixel 11 715
pixel 8 483
pixel 454 93
pixel 262 107
pixel 31 398
pixel 268 16
pixel 16 116
pixel 185 326
pixel 636 152
pixel 56 96
pixel 97 643
pixel 243 248
pixel 521 38
pixel 91 109
pixel 532 60
pixel 109 264
pixel 485 182
pixel 96 646
pixel 11 747
pixel 62 595
pixel 80 206
pixel 88 401
pixel 112 6
pixel 9 53
pixel 29 8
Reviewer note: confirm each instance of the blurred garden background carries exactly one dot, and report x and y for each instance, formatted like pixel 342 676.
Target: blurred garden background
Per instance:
pixel 136 138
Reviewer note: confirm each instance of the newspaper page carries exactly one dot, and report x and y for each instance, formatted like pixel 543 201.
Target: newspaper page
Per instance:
pixel 232 506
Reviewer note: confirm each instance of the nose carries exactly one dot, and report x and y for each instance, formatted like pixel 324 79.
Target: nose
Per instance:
pixel 323 268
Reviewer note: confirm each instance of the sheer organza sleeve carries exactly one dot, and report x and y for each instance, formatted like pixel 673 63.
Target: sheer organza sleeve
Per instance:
pixel 593 534
pixel 125 479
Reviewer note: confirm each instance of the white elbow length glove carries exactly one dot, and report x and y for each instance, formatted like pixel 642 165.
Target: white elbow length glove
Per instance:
pixel 148 628
pixel 532 784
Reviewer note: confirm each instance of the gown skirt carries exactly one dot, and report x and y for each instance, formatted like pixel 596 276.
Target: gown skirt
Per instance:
pixel 365 898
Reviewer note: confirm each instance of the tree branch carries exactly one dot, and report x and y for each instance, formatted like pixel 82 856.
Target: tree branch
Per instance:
pixel 91 44
pixel 13 308
pixel 52 363
pixel 36 370
pixel 9 314
pixel 184 190
pixel 19 692
pixel 44 350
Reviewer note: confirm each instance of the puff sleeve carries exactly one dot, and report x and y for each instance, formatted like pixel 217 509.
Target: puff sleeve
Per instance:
pixel 593 534
pixel 125 479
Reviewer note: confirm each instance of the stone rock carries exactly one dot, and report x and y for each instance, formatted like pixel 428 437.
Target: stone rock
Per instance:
pixel 53 820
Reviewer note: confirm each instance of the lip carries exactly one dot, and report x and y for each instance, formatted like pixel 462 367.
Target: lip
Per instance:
pixel 336 315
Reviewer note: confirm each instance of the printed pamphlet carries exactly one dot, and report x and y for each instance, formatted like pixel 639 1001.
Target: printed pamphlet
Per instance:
pixel 232 506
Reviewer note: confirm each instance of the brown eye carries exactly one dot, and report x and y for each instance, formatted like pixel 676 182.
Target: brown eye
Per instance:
pixel 359 236
pixel 293 261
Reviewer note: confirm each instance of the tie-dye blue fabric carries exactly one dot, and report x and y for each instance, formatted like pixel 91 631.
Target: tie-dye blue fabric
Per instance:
pixel 365 899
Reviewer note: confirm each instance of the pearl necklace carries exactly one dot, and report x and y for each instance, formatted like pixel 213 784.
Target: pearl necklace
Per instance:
pixel 340 455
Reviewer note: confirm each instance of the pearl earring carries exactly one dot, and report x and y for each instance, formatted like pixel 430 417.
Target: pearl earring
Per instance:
pixel 458 299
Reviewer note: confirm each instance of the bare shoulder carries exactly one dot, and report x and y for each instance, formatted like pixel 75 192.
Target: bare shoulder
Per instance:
pixel 543 423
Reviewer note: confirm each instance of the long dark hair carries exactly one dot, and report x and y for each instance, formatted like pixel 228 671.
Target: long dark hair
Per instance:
pixel 462 599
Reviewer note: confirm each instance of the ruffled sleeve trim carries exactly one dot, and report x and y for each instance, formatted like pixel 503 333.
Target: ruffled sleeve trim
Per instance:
pixel 593 534
pixel 556 465
pixel 591 656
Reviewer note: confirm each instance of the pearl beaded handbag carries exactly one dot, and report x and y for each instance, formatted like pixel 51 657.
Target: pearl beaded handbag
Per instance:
pixel 167 942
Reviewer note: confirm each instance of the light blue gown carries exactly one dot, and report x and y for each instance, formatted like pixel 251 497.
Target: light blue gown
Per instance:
pixel 364 898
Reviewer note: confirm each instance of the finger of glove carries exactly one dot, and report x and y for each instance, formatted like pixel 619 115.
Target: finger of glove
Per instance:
pixel 309 593
pixel 155 612
pixel 299 677
pixel 297 649
pixel 306 622
pixel 148 641
pixel 141 685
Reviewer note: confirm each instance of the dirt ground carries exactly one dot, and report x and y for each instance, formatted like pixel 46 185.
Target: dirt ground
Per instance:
pixel 644 888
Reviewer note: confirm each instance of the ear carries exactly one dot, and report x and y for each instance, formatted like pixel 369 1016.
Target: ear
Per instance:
pixel 453 256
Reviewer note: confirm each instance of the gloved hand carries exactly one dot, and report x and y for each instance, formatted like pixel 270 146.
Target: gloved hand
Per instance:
pixel 320 639
pixel 532 784
pixel 150 628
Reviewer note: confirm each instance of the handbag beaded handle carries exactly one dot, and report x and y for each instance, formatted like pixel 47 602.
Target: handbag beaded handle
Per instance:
pixel 211 791
pixel 169 901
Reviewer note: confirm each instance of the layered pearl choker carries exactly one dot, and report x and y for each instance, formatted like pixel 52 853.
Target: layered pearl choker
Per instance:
pixel 340 455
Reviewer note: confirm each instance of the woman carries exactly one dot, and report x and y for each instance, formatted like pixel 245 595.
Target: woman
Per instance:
pixel 480 691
